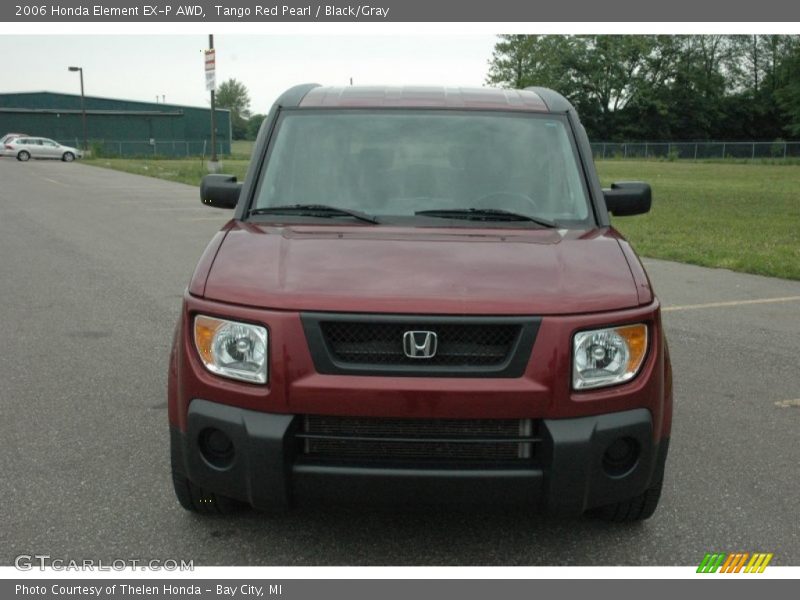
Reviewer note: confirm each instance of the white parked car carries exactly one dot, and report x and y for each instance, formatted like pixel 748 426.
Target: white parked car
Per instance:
pixel 25 148
pixel 10 136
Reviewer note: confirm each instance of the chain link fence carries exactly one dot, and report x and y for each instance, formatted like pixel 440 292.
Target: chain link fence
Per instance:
pixel 696 150
pixel 600 150
pixel 150 148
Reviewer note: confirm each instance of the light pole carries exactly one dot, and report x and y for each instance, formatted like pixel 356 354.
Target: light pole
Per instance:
pixel 83 107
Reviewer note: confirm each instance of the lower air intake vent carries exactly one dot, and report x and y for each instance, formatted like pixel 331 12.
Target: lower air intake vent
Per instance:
pixel 414 441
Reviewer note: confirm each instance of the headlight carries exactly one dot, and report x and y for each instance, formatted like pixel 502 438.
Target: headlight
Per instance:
pixel 603 357
pixel 231 349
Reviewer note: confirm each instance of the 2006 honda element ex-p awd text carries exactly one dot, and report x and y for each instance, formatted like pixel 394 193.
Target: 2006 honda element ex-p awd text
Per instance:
pixel 420 299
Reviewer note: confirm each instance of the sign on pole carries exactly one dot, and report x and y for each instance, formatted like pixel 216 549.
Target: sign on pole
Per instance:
pixel 211 65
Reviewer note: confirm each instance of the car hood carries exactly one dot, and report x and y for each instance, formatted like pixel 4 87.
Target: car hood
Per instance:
pixel 420 270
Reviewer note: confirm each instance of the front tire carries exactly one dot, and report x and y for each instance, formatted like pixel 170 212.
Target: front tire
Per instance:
pixel 24 156
pixel 68 157
pixel 638 508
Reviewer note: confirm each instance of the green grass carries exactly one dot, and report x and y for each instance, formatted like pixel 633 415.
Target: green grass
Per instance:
pixel 241 149
pixel 189 171
pixel 743 217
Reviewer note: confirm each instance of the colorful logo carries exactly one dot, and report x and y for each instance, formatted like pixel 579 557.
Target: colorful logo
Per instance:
pixel 734 562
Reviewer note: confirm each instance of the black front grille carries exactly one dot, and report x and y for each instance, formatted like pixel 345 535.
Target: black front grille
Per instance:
pixel 418 441
pixel 379 344
pixel 459 344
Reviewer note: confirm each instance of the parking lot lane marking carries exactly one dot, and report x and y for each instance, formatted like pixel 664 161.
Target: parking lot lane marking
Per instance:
pixel 731 303
pixel 54 181
pixel 788 403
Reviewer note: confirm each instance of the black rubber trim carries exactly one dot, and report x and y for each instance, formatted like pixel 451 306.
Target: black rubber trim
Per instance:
pixel 513 366
pixel 591 179
pixel 418 486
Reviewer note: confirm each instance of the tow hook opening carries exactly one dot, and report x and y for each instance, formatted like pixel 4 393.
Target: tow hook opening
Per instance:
pixel 216 447
pixel 621 456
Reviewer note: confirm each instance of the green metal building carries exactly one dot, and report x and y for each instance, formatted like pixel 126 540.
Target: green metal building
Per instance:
pixel 115 127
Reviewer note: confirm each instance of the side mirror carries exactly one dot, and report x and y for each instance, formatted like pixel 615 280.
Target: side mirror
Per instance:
pixel 220 191
pixel 628 198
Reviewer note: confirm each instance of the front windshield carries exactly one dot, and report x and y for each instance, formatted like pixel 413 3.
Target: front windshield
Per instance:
pixel 396 163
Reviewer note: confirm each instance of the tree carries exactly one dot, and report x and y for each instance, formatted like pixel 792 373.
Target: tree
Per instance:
pixel 788 90
pixel 778 74
pixel 253 125
pixel 649 113
pixel 599 74
pixel 234 96
pixel 609 71
pixel 697 92
pixel 660 87
pixel 520 61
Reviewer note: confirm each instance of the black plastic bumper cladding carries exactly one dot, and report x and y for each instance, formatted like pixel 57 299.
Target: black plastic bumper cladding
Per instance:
pixel 512 365
pixel 577 478
pixel 268 473
pixel 259 472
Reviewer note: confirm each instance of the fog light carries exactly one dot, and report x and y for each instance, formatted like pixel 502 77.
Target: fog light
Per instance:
pixel 216 447
pixel 621 456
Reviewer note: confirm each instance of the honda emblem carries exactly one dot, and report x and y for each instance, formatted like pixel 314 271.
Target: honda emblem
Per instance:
pixel 420 344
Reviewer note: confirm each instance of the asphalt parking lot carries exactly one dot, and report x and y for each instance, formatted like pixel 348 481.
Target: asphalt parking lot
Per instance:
pixel 94 263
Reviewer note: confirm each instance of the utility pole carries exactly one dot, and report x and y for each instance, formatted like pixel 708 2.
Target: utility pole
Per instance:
pixel 213 111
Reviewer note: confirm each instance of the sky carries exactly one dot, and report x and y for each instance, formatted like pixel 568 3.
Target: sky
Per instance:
pixel 141 67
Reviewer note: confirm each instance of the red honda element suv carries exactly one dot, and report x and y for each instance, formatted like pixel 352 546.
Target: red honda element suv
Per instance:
pixel 420 298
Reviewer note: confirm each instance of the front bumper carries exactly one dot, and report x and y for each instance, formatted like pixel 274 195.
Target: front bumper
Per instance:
pixel 268 472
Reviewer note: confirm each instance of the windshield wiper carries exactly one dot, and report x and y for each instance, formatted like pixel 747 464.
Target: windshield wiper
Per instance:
pixel 314 210
pixel 484 214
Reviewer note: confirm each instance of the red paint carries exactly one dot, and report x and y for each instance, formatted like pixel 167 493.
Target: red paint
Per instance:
pixel 575 279
pixel 294 386
pixel 422 270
